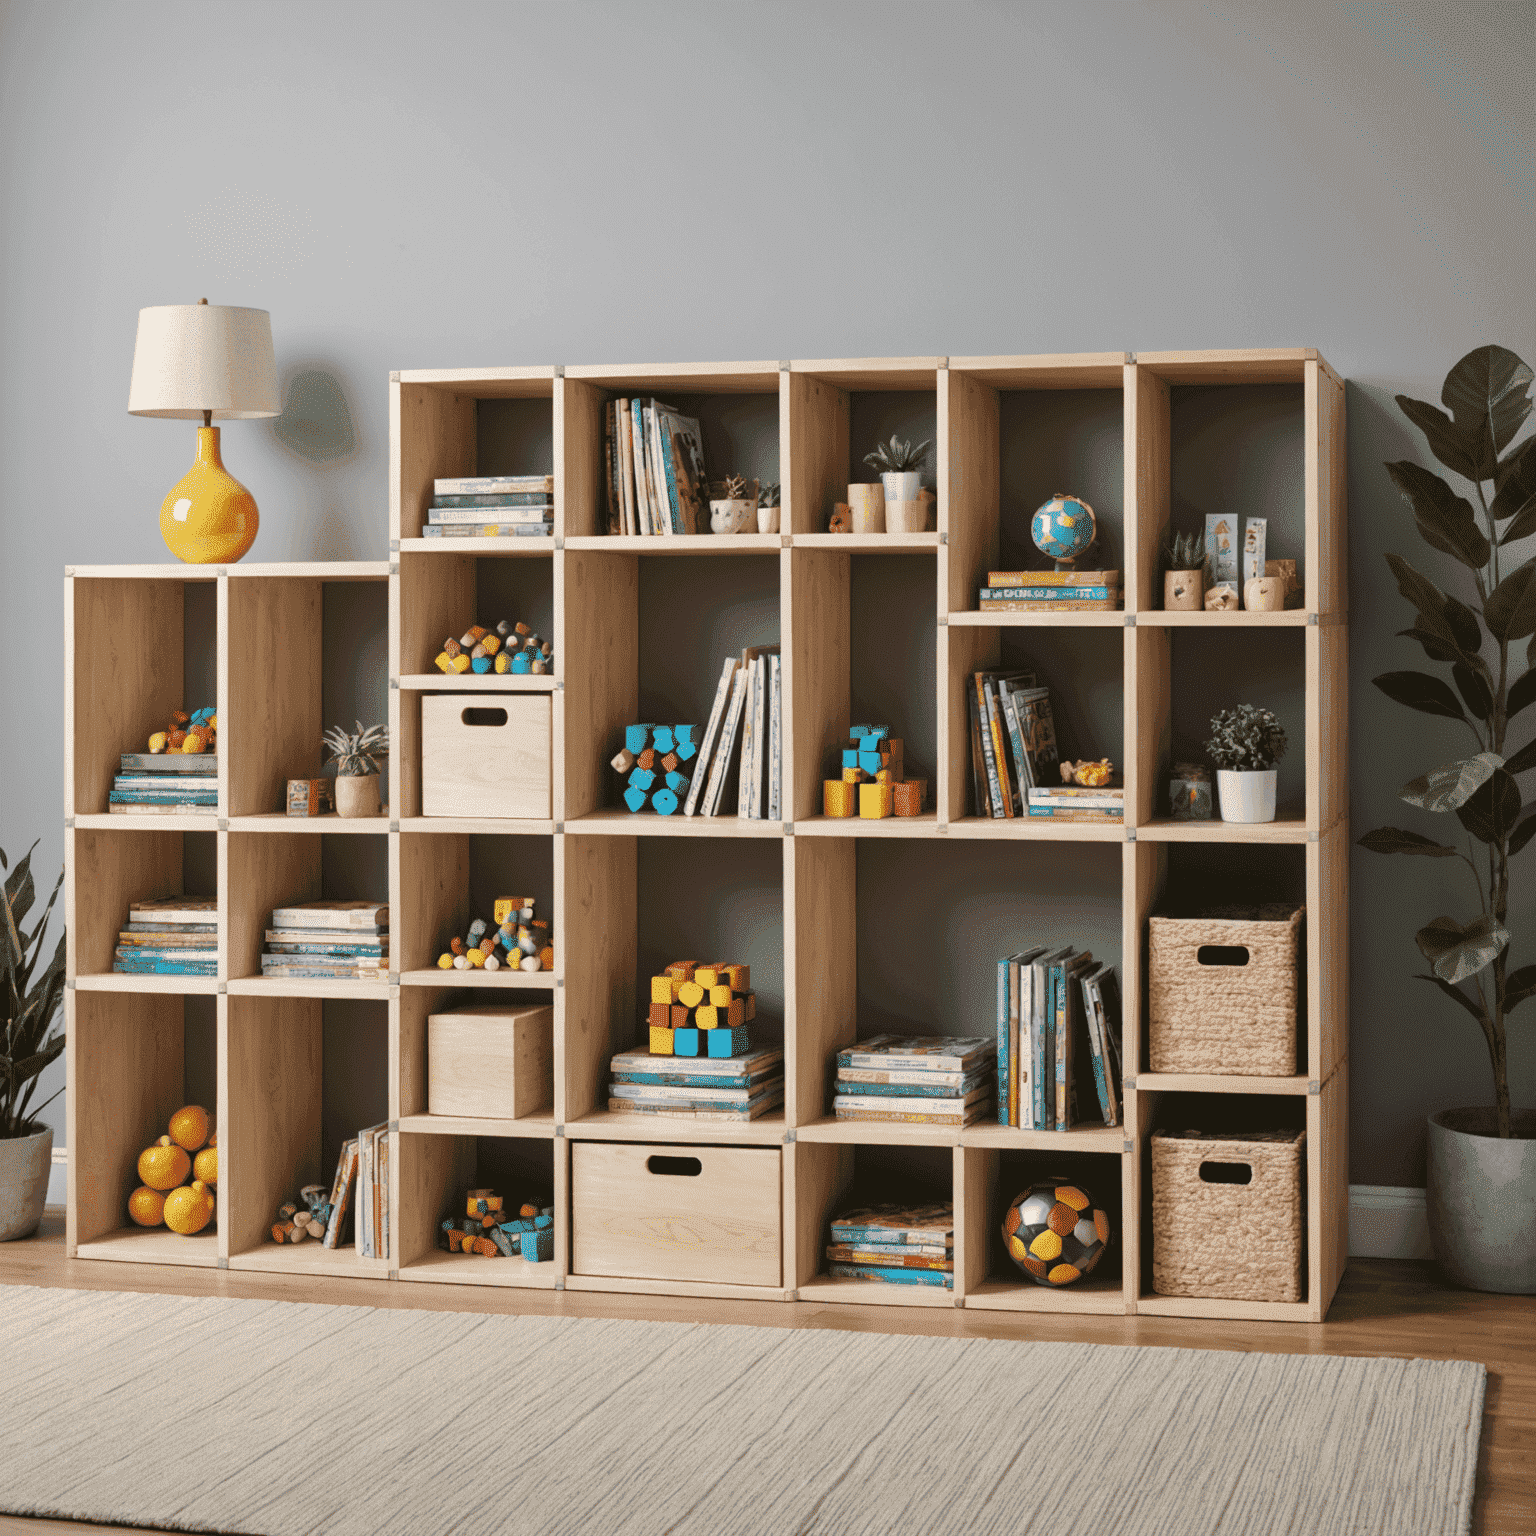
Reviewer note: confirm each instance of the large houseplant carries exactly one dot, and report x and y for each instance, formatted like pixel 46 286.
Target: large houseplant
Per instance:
pixel 30 1007
pixel 1482 1161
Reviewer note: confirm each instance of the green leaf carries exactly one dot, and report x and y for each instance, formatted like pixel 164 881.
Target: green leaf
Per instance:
pixel 1435 648
pixel 1395 840
pixel 1474 688
pixel 1522 833
pixel 1523 759
pixel 1518 986
pixel 1515 498
pixel 1452 784
pixel 1488 394
pixel 1464 626
pixel 1420 691
pixel 1454 952
pixel 1455 995
pixel 1491 813
pixel 20 892
pixel 1521 693
pixel 1445 519
pixel 1427 599
pixel 1446 440
pixel 1510 611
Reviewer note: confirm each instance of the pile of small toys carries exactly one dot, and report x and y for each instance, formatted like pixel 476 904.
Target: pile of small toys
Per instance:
pixel 509 647
pixel 486 1229
pixel 197 732
pixel 308 1216
pixel 517 940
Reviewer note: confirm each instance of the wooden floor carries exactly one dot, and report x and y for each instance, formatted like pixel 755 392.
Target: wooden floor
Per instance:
pixel 1385 1307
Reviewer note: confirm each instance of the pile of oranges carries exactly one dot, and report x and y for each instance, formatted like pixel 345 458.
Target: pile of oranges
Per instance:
pixel 166 1198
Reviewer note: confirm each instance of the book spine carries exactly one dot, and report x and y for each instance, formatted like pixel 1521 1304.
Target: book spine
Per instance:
pixel 1024 1053
pixel 493 485
pixel 994 791
pixel 906 1116
pixel 451 516
pixel 1015 738
pixel 637 451
pixel 169 762
pixel 952 1081
pixel 1036 605
pixel 722 764
pixel 610 479
pixel 660 1093
pixel 978 769
pixel 1003 1086
pixel 909 1239
pixel 881 1251
pixel 1049 595
pixel 711 730
pixel 843 1088
pixel 890 1275
pixel 878 1061
pixel 1040 1008
pixel 353 918
pixel 748 738
pixel 1053 578
pixel 1063 813
pixel 775 737
pixel 1096 1050
pixel 1063 1043
pixel 842 1253
pixel 669 466
pixel 1010 808
pixel 1014 968
pixel 691 1111
pixel 495 500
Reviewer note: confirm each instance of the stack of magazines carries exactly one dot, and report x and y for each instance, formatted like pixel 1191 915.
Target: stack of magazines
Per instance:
pixel 170 936
pixel 929 1080
pixel 740 1088
pixel 491 506
pixel 165 784
pixel 341 940
pixel 900 1244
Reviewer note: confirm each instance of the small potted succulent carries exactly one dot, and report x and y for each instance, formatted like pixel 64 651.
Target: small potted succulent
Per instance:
pixel 768 509
pixel 732 502
pixel 26 1144
pixel 1245 745
pixel 357 768
pixel 899 463
pixel 1183 573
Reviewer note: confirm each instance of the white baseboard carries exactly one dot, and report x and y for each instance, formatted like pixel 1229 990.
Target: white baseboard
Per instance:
pixel 1387 1222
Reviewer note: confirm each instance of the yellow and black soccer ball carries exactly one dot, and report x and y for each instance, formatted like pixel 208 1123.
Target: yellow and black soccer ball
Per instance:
pixel 1055 1232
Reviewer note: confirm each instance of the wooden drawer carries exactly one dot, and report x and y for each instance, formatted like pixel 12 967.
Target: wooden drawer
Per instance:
pixel 676 1213
pixel 485 755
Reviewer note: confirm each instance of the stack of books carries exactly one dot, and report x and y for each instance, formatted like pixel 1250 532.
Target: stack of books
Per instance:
pixel 1013 742
pixel 1057 591
pixel 490 507
pixel 747 713
pixel 1056 1010
pixel 738 1088
pixel 904 1245
pixel 653 469
pixel 344 940
pixel 170 936
pixel 165 784
pixel 928 1080
pixel 1071 802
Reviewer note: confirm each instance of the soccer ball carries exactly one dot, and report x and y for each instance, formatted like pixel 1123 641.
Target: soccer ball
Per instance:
pixel 1055 1233
pixel 1064 528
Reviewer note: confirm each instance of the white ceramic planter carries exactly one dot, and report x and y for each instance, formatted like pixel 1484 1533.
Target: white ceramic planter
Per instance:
pixel 357 794
pixel 1247 796
pixel 903 486
pixel 730 516
pixel 25 1162
pixel 768 519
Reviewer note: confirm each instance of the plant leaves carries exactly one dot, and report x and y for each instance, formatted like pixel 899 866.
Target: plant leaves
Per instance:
pixel 1446 440
pixel 1435 648
pixel 1456 995
pixel 1474 688
pixel 1428 600
pixel 1452 784
pixel 1516 494
pixel 1523 759
pixel 1490 815
pixel 1521 692
pixel 1420 691
pixel 1510 610
pixel 1518 986
pixel 1488 395
pixel 1522 834
pixel 1445 519
pixel 1396 840
pixel 1454 952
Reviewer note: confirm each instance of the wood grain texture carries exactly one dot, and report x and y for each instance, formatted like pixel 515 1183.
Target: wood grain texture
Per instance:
pixel 409 1013
pixel 1328 962
pixel 491 1062
pixel 431 1170
pixel 258 874
pixel 601 669
pixel 579 493
pixel 437 599
pixel 815 1177
pixel 434 898
pixel 819 658
pixel 107 871
pixel 816 472
pixel 960 653
pixel 1148 723
pixel 969 471
pixel 975 1186
pixel 1326 577
pixel 432 434
pixel 820 973
pixel 1057 370
pixel 1148 485
pixel 482 769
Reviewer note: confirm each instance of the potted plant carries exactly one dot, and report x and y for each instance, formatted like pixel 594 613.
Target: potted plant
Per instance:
pixel 768 509
pixel 26 1145
pixel 1481 1194
pixel 731 504
pixel 1245 745
pixel 357 768
pixel 1183 573
pixel 899 463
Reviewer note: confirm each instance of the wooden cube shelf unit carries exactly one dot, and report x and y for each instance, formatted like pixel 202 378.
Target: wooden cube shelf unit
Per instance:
pixel 594 586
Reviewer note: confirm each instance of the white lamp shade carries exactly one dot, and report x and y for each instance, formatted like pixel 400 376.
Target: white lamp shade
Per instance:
pixel 191 358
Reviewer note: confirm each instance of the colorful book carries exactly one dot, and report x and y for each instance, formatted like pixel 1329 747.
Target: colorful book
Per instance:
pixel 696 1079
pixel 165 800
pixel 610 473
pixel 843 1110
pixel 891 1223
pixel 723 690
pixel 775 736
pixel 172 952
pixel 447 517
pixel 137 967
pixel 1020 973
pixel 1053 596
pixel 976 1082
pixel 624 450
pixel 1037 605
pixel 1053 578
pixel 720 769
pixel 912 1052
pixel 752 1111
pixel 336 951
pixel 746 797
pixel 201 764
pixel 682 452
pixel 1006 687
pixel 947 1105
pixel 308 968
pixel 167 938
pixel 644 490
pixel 341 1194
pixel 919 1076
pixel 175 909
pixel 502 499
pixel 1078 813
pixel 844 1253
pixel 1040 1043
pixel 891 1275
pixel 493 485
pixel 717 1093
pixel 989 762
pixel 1004 1054
pixel 702 1066
pixel 135 925
pixel 162 782
pixel 142 808
pixel 1064 1042
pixel 884 1252
pixel 487 530
pixel 333 914
pixel 1038 728
pixel 1103 1079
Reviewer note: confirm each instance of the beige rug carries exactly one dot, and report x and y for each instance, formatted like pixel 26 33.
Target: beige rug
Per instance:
pixel 260 1416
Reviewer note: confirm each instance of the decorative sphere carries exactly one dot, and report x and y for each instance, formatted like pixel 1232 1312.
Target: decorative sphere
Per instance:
pixel 1064 527
pixel 1055 1233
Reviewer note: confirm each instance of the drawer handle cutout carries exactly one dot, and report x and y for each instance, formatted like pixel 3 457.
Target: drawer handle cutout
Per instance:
pixel 675 1167
pixel 1222 954
pixel 483 714
pixel 1226 1173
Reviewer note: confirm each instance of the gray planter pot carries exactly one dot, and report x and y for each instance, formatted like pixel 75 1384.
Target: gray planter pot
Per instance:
pixel 25 1162
pixel 1481 1199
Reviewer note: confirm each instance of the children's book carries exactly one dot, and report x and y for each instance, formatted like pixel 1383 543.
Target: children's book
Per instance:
pixel 341 1194
pixel 174 909
pixel 844 1253
pixel 751 1064
pixel 717 713
pixel 891 1275
pixel 202 764
pixel 493 485
pixel 966 1089
pixel 626 466
pixel 660 1093
pixel 1020 1073
pixel 844 1109
pixel 1066 1001
pixel 930 1082
pixel 751 717
pixel 890 1223
pixel 682 446
pixel 720 770
pixel 369 915
pixel 704 1110
pixel 958 1104
pixel 1042 1054
pixel 980 800
pixel 915 1052
pixel 1093 1014
pixel 137 967
pixel 775 736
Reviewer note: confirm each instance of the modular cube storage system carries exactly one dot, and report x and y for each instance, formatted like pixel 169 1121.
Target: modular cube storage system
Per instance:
pixel 851 925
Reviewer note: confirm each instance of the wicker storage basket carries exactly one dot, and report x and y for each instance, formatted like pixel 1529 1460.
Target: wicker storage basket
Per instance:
pixel 1234 1019
pixel 1242 1242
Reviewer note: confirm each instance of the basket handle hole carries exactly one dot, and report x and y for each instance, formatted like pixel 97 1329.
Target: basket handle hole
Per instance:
pixel 1225 1173
pixel 676 1167
pixel 483 715
pixel 1222 954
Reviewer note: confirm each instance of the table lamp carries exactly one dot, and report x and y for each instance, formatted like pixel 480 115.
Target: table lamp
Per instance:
pixel 205 360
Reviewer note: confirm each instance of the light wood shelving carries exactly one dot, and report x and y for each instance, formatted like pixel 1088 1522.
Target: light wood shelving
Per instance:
pixel 128 1049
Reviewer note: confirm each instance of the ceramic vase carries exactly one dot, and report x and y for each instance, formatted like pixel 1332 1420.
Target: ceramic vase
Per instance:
pixel 1480 1199
pixel 209 518
pixel 768 519
pixel 1264 594
pixel 901 485
pixel 868 504
pixel 908 516
pixel 1184 591
pixel 357 794
pixel 1247 796
pixel 730 516
pixel 25 1162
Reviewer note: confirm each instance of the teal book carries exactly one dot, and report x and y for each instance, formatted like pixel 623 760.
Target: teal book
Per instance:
pixel 139 967
pixel 1042 1042
pixel 1002 1042
pixel 967 1090
pixel 892 1275
pixel 539 498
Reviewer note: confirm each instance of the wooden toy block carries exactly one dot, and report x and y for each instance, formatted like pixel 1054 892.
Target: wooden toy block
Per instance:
pixel 539 1247
pixel 871 762
pixel 504 1244
pixel 690 994
pixel 686 734
pixel 681 969
pixel 679 1019
pixel 287 1211
pixel 622 760
pixel 662 739
pixel 647 759
pixel 669 762
pixel 530 963
pixel 720 994
pixel 664 989
pixel 749 1007
pixel 707 1016
pixel 472 636
pixel 542 1220
pixel 484 1247
pixel 521 628
pixel 910 796
pixel 854 776
pixel 677 782
pixel 734 1014
pixel 685 1042
pixel 448 1224
pixel 642 779
pixel 442 661
pixel 477 652
pixel 547 958
pixel 451 647
pixel 662 1042
pixel 687 750
pixel 885 776
pixel 518 1225
pixel 491 644
pixel 529 1209
pixel 707 975
pixel 659 1016
pixel 520 663
pixel 837 798
pixel 871 733
pixel 309 797
pixel 455 1240
pixel 502 663
pixel 476 930
pixel 635 799
pixel 850 757
pixel 874 801
pixel 728 1042
pixel 637 737
pixel 665 802
pixel 736 975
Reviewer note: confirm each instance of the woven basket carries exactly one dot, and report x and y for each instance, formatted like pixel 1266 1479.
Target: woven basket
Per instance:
pixel 1241 1242
pixel 1235 1020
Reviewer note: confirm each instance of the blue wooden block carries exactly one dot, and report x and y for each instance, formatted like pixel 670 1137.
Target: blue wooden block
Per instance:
pixel 449 1224
pixel 686 750
pixel 685 1042
pixel 635 799
pixel 637 737
pixel 682 733
pixel 539 1247
pixel 521 663
pixel 549 1211
pixel 677 782
pixel 503 1241
pixel 850 757
pixel 664 801
pixel 728 1042
pixel 870 762
pixel 641 778
pixel 480 663
pixel 662 740
pixel 540 1222
pixel 519 1224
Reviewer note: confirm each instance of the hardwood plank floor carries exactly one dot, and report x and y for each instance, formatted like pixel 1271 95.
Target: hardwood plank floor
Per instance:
pixel 1384 1307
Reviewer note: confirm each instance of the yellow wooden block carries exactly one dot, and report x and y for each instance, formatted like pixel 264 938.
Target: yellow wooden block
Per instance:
pixel 461 663
pixel 509 906
pixel 664 989
pixel 661 1042
pixel 708 1017
pixel 706 975
pixel 444 662
pixel 682 969
pixel 875 801
pixel 854 776
pixel 737 976
pixel 885 776
pixel 690 994
pixel 720 994
pixel 838 799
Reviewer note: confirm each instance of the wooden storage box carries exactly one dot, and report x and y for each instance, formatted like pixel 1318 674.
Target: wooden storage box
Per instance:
pixel 485 755
pixel 1222 993
pixel 1227 1215
pixel 491 1063
pixel 676 1212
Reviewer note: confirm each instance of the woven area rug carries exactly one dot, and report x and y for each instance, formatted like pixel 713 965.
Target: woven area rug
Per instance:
pixel 207 1414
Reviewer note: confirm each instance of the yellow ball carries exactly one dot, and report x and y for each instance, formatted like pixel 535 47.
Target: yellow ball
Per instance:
pixel 190 1208
pixel 189 1127
pixel 157 742
pixel 205 1165
pixel 146 1206
pixel 164 1167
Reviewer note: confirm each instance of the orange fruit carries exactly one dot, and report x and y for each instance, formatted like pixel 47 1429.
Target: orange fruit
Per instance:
pixel 146 1206
pixel 205 1165
pixel 164 1166
pixel 189 1127
pixel 190 1208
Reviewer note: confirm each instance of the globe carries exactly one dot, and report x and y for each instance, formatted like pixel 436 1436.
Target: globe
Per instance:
pixel 1064 528
pixel 1055 1233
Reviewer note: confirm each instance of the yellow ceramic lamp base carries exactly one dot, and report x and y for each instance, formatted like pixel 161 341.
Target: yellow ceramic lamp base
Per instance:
pixel 209 518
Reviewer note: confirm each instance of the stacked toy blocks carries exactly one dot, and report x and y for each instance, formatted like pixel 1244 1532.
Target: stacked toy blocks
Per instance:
pixel 487 1228
pixel 517 941
pixel 509 647
pixel 873 784
pixel 701 1010
pixel 654 763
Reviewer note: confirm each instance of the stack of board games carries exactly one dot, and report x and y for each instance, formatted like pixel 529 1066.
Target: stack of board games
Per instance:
pixel 928 1080
pixel 1013 741
pixel 493 1227
pixel 1057 1014
pixel 1054 591
pixel 900 1244
pixel 345 940
pixel 737 1088
pixel 170 936
pixel 491 507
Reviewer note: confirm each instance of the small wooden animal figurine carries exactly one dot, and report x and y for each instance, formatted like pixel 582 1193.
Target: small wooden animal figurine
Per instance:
pixel 1087 773
pixel 302 1219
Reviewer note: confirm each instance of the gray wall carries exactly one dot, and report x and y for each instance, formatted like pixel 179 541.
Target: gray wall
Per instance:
pixel 405 185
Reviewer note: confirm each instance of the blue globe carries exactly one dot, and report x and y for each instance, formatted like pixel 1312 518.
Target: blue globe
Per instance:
pixel 1064 528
